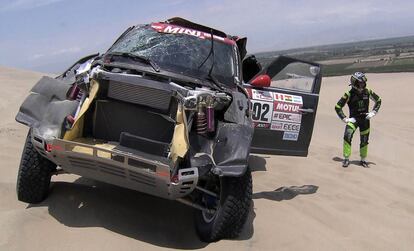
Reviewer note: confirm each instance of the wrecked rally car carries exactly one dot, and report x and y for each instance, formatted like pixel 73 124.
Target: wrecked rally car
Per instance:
pixel 172 109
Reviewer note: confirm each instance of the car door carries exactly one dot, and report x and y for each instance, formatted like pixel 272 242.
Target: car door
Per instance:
pixel 284 111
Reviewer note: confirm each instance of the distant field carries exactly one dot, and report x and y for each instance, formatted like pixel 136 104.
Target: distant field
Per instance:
pixel 396 65
pixel 384 55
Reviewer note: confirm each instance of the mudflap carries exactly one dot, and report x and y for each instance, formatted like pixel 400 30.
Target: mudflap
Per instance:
pixel 46 107
pixel 225 155
pixel 232 149
pixel 232 143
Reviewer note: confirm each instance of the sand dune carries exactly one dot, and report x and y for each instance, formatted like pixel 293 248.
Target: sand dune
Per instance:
pixel 299 203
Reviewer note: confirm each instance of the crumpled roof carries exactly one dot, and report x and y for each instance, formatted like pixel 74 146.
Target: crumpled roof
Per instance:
pixel 188 24
pixel 241 42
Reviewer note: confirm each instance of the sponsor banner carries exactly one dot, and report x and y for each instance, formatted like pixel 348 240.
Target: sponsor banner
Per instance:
pixel 262 95
pixel 261 125
pixel 175 29
pixel 286 127
pixel 291 136
pixel 262 111
pixel 288 117
pixel 281 97
pixel 286 107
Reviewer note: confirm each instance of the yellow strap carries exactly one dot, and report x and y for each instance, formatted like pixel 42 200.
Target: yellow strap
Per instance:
pixel 352 126
pixel 365 132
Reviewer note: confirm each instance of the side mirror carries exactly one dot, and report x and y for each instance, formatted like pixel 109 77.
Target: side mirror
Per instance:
pixel 261 81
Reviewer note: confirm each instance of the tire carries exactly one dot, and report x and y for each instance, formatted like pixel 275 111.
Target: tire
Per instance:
pixel 34 175
pixel 232 211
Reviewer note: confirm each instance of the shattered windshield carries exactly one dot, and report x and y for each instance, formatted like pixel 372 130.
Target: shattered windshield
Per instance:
pixel 180 53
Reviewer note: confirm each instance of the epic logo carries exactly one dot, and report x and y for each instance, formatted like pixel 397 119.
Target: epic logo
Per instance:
pixel 288 117
pixel 284 116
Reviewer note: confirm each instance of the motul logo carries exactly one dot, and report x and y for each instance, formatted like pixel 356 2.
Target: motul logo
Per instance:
pixel 287 107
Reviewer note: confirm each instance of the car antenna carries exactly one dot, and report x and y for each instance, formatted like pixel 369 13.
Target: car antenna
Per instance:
pixel 211 53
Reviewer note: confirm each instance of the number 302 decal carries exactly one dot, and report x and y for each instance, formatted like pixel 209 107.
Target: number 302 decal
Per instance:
pixel 262 111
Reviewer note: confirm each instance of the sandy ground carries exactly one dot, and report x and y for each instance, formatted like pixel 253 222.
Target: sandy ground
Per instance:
pixel 337 209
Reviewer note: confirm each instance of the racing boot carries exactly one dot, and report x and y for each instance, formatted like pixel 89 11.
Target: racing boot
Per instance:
pixel 345 163
pixel 363 163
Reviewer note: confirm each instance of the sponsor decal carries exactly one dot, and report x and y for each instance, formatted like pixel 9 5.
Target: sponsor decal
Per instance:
pixel 287 127
pixel 261 125
pixel 175 29
pixel 262 95
pixel 297 99
pixel 291 136
pixel 288 98
pixel 286 107
pixel 288 117
pixel 262 111
pixel 290 127
pixel 278 126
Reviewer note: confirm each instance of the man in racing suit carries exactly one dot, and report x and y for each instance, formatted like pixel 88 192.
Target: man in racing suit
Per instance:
pixel 359 116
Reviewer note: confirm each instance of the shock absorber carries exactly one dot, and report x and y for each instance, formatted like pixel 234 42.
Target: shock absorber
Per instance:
pixel 210 114
pixel 201 121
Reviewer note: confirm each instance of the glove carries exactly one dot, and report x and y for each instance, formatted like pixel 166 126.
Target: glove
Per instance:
pixel 370 115
pixel 347 120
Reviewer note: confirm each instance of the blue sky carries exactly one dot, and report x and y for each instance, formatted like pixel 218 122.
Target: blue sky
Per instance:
pixel 49 35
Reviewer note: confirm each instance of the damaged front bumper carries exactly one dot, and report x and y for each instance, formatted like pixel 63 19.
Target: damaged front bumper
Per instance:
pixel 137 171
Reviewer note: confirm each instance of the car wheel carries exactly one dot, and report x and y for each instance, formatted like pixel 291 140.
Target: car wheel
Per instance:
pixel 34 174
pixel 231 208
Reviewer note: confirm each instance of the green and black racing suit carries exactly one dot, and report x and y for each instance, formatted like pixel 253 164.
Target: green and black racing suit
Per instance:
pixel 358 103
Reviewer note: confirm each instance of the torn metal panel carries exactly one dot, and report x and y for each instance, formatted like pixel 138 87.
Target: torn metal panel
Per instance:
pixel 46 107
pixel 238 110
pixel 70 73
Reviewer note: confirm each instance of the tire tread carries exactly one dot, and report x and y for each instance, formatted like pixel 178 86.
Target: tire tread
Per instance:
pixel 34 175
